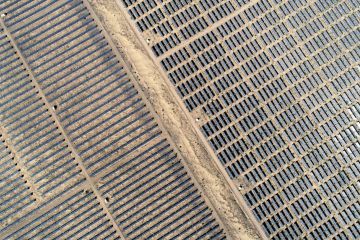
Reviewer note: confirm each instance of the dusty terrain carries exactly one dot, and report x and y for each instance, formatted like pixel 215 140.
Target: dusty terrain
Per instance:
pixel 175 121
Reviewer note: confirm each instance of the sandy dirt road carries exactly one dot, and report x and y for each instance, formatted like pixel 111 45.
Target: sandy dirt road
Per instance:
pixel 174 120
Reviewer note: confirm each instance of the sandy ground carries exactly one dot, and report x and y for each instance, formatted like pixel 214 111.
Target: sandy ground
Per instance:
pixel 175 121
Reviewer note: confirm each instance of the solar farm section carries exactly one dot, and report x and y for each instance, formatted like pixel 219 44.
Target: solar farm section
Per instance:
pixel 273 87
pixel 82 156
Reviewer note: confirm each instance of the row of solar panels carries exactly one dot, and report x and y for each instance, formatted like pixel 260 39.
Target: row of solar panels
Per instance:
pixel 84 136
pixel 279 83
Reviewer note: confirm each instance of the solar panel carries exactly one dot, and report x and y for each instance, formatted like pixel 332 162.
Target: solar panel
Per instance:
pixel 275 88
pixel 82 154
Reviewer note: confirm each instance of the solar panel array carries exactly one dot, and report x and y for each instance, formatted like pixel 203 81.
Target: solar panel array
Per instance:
pixel 278 82
pixel 82 156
